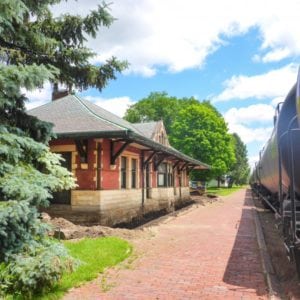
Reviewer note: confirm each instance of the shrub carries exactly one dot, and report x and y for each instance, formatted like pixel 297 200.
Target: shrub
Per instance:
pixel 29 173
pixel 35 270
pixel 19 226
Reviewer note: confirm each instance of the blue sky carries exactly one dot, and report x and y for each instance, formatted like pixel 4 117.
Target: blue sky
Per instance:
pixel 241 55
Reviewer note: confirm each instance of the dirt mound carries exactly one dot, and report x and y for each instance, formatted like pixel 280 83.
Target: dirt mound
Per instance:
pixel 66 230
pixel 205 199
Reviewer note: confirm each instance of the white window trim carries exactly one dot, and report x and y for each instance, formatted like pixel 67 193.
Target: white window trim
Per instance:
pixel 129 158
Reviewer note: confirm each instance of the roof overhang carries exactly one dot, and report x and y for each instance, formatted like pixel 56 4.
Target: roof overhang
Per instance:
pixel 147 144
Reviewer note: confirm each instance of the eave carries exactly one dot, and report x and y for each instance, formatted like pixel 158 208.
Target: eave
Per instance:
pixel 141 140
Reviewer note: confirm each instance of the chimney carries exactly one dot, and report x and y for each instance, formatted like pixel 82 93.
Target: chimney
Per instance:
pixel 57 94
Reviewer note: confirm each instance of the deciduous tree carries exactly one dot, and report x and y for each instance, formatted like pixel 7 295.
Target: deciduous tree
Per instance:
pixel 157 106
pixel 240 171
pixel 195 128
pixel 201 132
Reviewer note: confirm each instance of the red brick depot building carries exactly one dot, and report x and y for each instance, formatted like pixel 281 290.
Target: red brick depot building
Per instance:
pixel 123 170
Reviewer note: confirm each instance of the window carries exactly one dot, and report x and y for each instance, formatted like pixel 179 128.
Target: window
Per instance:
pixel 162 175
pixel 133 172
pixel 170 175
pixel 161 138
pixel 123 172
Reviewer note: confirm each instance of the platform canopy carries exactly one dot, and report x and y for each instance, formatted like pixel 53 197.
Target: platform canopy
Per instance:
pixel 76 118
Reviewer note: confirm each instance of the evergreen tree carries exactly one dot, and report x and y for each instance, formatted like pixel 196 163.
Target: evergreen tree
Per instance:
pixel 36 48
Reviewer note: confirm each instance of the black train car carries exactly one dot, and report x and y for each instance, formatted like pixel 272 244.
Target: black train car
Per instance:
pixel 276 176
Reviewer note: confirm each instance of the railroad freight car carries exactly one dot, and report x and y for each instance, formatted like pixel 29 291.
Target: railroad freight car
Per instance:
pixel 276 176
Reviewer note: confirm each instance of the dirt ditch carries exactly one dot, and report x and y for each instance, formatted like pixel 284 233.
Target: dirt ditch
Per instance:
pixel 285 271
pixel 138 228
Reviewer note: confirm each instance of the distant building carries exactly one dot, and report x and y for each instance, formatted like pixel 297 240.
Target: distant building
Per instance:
pixel 123 170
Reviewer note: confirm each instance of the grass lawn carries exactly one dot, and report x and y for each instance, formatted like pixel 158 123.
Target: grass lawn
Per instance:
pixel 223 191
pixel 95 255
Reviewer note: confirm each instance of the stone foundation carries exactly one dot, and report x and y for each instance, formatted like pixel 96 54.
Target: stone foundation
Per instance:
pixel 112 207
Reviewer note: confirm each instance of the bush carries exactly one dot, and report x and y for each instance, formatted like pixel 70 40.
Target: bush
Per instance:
pixel 29 262
pixel 19 226
pixel 34 271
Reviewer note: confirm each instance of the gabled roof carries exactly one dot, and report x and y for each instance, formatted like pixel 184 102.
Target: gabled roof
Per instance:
pixel 147 128
pixel 155 131
pixel 71 114
pixel 73 117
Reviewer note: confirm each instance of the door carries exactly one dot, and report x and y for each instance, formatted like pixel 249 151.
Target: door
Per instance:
pixel 63 197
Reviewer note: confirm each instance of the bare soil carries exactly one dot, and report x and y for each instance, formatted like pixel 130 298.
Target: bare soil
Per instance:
pixel 285 270
pixel 64 229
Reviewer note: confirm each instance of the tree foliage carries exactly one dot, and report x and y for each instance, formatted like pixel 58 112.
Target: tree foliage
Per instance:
pixel 201 132
pixel 240 171
pixel 157 106
pixel 36 47
pixel 195 128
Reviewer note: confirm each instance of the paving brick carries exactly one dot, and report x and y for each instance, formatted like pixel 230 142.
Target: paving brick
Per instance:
pixel 210 253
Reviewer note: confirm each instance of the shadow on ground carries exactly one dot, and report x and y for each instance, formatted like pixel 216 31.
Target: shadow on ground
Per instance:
pixel 244 267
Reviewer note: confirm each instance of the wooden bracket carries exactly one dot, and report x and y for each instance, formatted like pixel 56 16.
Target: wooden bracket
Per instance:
pixel 115 154
pixel 146 162
pixel 183 166
pixel 82 149
pixel 176 164
pixel 159 161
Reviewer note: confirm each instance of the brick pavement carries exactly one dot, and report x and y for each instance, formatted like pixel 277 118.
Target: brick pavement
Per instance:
pixel 210 252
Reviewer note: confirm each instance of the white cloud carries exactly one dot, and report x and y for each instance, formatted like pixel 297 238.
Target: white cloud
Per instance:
pixel 279 33
pixel 117 106
pixel 248 134
pixel 277 100
pixel 258 113
pixel 276 55
pixel 275 83
pixel 38 97
pixel 273 56
pixel 252 160
pixel 178 36
pixel 244 121
pixel 156 33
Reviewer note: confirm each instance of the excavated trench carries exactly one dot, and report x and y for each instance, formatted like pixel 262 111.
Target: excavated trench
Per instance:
pixel 144 219
pixel 64 228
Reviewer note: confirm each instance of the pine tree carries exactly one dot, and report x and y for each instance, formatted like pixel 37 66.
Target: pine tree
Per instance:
pixel 35 48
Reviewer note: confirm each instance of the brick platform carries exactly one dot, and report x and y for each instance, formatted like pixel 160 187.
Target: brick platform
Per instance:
pixel 211 252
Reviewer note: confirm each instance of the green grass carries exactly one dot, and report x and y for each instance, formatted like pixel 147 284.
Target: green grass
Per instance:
pixel 223 191
pixel 95 255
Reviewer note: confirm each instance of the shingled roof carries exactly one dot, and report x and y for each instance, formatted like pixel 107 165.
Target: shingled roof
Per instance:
pixel 74 117
pixel 71 114
pixel 147 128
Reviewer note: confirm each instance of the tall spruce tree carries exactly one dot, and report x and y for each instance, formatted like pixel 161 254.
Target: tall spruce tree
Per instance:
pixel 36 47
